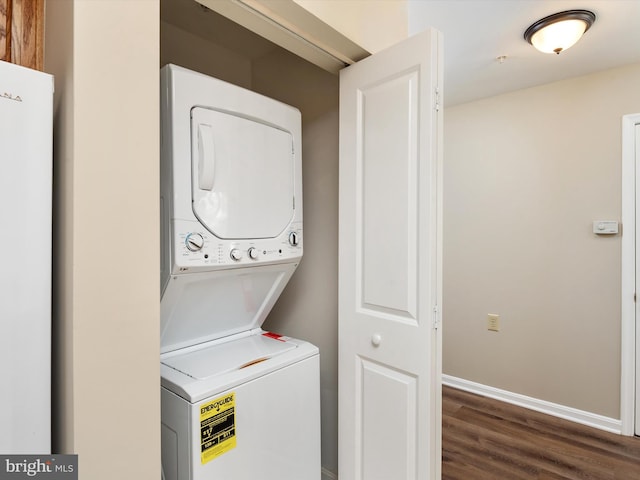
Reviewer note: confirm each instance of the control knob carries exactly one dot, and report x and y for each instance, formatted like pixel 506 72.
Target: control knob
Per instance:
pixel 194 242
pixel 235 254
pixel 253 253
pixel 294 239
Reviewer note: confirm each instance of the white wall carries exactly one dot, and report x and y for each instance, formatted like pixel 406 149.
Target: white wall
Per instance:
pixel 374 25
pixel 104 56
pixel 526 174
pixel 191 51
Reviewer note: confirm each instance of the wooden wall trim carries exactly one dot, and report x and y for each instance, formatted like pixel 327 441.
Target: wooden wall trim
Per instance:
pixel 21 32
pixel 5 30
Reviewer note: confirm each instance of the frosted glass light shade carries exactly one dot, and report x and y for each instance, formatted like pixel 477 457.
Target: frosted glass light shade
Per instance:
pixel 558 36
pixel 557 32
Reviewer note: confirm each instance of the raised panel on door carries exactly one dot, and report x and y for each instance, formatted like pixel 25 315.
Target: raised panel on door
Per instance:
pixel 386 201
pixel 387 417
pixel 390 264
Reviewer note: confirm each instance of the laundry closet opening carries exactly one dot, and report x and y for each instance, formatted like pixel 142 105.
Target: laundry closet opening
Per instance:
pixel 199 39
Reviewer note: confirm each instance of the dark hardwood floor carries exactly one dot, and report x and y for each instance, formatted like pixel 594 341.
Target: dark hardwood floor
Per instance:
pixel 485 439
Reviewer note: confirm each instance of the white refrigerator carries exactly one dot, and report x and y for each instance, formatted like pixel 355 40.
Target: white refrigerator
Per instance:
pixel 26 118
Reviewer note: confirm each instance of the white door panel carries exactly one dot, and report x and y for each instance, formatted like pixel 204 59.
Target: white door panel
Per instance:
pixel 390 264
pixel 386 206
pixel 387 415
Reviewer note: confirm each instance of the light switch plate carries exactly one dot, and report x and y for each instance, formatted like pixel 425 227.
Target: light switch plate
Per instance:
pixel 493 322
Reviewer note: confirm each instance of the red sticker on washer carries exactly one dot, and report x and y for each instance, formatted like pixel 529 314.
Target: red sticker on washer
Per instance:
pixel 275 336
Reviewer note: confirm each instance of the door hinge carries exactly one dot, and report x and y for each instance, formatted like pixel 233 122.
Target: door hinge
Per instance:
pixel 436 318
pixel 437 105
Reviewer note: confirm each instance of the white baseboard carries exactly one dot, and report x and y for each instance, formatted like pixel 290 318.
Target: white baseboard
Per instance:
pixel 328 475
pixel 568 413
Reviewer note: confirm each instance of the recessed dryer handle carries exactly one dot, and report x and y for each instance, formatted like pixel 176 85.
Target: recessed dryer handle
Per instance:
pixel 206 157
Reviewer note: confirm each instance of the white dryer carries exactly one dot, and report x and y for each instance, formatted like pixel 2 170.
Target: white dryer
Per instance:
pixel 237 402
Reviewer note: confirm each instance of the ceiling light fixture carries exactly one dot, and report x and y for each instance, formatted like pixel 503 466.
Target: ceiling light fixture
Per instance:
pixel 559 31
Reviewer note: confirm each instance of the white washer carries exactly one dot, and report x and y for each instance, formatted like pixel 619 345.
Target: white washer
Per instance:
pixel 237 402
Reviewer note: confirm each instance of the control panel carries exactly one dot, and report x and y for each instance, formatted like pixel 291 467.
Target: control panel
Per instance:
pixel 197 249
pixel 605 227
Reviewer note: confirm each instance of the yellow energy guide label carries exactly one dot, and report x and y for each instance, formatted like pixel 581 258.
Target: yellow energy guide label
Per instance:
pixel 217 427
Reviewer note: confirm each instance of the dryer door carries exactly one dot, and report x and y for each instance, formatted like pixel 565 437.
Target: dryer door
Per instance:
pixel 242 175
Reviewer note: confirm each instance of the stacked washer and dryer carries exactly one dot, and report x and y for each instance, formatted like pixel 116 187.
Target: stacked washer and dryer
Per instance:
pixel 238 402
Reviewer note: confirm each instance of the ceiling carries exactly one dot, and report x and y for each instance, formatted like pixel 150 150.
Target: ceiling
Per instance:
pixel 477 32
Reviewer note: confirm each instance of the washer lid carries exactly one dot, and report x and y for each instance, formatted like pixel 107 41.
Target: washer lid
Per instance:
pixel 199 307
pixel 242 171
pixel 219 359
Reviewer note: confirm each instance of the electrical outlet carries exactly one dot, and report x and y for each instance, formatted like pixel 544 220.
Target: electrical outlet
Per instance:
pixel 493 322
